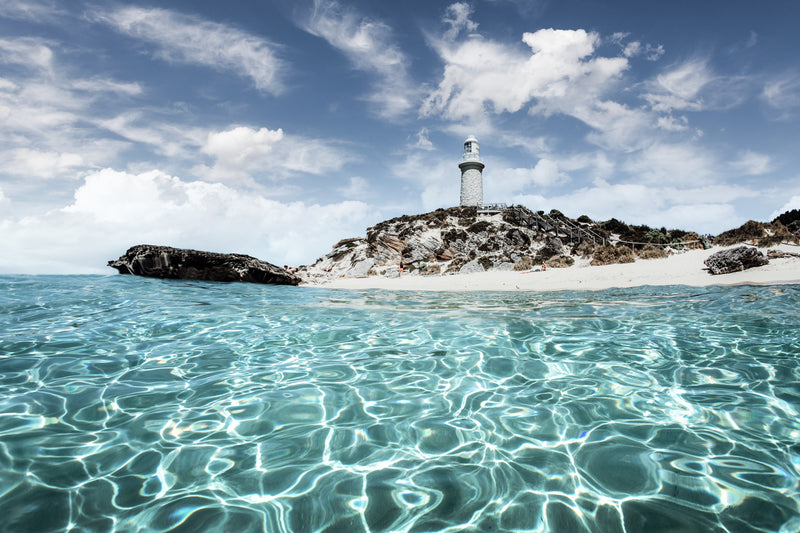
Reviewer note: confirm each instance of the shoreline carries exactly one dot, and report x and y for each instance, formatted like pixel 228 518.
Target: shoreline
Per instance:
pixel 684 268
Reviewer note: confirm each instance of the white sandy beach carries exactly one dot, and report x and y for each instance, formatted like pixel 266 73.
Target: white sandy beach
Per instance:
pixel 685 268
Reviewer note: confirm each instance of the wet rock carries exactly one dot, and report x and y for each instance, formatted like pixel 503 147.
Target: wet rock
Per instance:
pixel 176 263
pixel 735 260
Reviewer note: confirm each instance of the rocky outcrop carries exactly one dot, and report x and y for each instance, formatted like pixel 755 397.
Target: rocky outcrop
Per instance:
pixel 458 240
pixel 175 263
pixel 735 260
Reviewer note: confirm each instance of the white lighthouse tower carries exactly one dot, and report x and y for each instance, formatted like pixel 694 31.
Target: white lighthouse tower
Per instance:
pixel 471 173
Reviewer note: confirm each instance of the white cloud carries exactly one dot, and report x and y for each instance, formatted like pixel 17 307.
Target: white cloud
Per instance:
pixel 47 112
pixel 243 153
pixel 650 52
pixel 238 145
pixel 793 203
pixel 167 138
pixel 503 184
pixel 357 188
pixel 694 86
pixel 654 53
pixel 113 210
pixel 783 93
pixel 367 44
pixel 182 38
pixel 26 51
pixel 423 142
pixel 710 218
pixel 636 48
pixel 99 85
pixel 438 184
pixel 632 49
pixel 457 17
pixel 655 205
pixel 560 75
pixel 752 164
pixel 674 164
pixel 680 87
pixel 671 123
pixel 31 10
pixel 616 126
pixel 31 163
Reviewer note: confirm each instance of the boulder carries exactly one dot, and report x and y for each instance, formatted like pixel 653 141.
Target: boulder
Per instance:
pixel 735 260
pixel 472 267
pixel 175 263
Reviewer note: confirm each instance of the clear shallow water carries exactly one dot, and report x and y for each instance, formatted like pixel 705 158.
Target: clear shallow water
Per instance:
pixel 129 404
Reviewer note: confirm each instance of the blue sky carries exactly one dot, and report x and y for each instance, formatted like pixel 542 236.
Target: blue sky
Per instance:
pixel 276 128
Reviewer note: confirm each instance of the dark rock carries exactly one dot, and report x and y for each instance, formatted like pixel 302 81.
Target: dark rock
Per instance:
pixel 175 263
pixel 735 260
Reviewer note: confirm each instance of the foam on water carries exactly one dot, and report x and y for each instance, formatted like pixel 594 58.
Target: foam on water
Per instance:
pixel 129 404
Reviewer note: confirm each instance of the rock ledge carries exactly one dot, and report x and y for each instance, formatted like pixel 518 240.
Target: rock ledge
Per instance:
pixel 735 260
pixel 176 263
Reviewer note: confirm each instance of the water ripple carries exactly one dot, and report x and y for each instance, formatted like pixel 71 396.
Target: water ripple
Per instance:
pixel 130 404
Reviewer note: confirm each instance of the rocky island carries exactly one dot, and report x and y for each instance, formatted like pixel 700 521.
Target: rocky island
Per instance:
pixel 176 263
pixel 462 240
pixel 465 240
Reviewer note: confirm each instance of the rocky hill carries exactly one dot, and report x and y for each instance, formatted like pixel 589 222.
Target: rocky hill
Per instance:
pixel 461 240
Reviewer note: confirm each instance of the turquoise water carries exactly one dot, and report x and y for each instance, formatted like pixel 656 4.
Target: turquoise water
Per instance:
pixel 131 404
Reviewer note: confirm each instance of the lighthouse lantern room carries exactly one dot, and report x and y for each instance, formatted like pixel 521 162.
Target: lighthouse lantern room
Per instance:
pixel 471 174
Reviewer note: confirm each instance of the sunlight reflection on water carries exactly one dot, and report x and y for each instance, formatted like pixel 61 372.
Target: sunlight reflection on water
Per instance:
pixel 136 404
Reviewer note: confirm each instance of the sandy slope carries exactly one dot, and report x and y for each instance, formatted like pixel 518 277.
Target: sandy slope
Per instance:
pixel 680 269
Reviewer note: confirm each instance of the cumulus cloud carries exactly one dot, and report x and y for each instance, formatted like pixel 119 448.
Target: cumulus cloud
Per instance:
pixel 368 46
pixel 559 75
pixel 181 38
pixel 243 153
pixel 113 210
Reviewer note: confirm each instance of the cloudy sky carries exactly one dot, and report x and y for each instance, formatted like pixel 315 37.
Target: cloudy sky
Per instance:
pixel 275 128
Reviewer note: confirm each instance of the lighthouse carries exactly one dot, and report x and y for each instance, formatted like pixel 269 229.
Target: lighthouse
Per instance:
pixel 471 174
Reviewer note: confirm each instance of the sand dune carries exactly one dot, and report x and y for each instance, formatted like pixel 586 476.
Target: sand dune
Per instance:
pixel 680 269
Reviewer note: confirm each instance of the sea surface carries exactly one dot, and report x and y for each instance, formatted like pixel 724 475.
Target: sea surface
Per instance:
pixel 133 404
